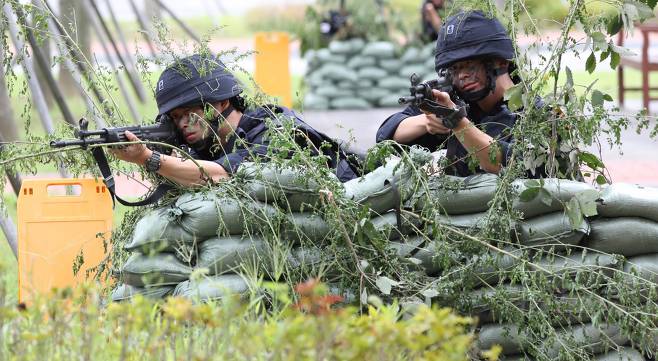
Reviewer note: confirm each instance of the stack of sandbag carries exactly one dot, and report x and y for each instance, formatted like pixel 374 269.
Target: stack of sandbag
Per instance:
pixel 545 242
pixel 355 74
pixel 170 242
pixel 220 232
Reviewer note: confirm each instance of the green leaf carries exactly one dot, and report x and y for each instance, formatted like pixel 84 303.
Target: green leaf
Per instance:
pixel 600 179
pixel 590 64
pixel 533 183
pixel 569 83
pixel 385 284
pixel 597 98
pixel 545 197
pixel 614 60
pixel 604 55
pixel 529 194
pixel 591 160
pixel 599 40
pixel 514 97
pixel 614 24
pixel 621 50
pixel 573 212
pixel 587 202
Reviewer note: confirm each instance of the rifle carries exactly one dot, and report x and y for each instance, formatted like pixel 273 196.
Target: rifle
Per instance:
pixel 163 131
pixel 422 98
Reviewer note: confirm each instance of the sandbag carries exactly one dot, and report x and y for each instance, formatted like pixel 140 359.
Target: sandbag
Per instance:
pixel 304 228
pixel 407 70
pixel 341 47
pixel 552 229
pixel 429 66
pixel 212 288
pixel 395 83
pixel 337 72
pixel 371 73
pixel 477 303
pixel 561 191
pixel 594 339
pixel 390 101
pixel 457 195
pixel 346 85
pixel 359 61
pixel 625 354
pixel 357 44
pixel 377 189
pixel 411 55
pixel 349 103
pixel 494 268
pixel 316 102
pixel 509 337
pixel 325 56
pixel 388 224
pixel 373 95
pixel 226 254
pixel 331 91
pixel 628 236
pixel 427 51
pixel 207 215
pixel 156 231
pixel 390 65
pixel 287 187
pixel 418 252
pixel 154 270
pixel 646 267
pixel 124 292
pixel 628 200
pixel 379 49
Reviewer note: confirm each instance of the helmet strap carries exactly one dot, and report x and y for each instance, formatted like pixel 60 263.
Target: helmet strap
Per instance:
pixel 492 75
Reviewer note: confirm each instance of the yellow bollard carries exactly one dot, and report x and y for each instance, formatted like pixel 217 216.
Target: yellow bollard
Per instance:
pixel 59 220
pixel 272 71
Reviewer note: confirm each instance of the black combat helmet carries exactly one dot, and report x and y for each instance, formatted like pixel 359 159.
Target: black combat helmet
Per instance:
pixel 195 80
pixel 473 35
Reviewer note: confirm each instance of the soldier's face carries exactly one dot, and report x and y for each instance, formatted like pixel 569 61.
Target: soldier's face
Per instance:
pixel 469 75
pixel 190 121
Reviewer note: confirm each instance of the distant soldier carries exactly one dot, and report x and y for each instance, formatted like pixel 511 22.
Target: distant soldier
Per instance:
pixel 431 19
pixel 203 100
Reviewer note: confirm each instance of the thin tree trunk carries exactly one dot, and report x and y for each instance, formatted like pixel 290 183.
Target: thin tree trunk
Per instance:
pixel 77 26
pixel 7 124
pixel 44 65
pixel 145 28
pixel 46 52
pixel 180 23
pixel 93 19
pixel 134 79
pixel 9 229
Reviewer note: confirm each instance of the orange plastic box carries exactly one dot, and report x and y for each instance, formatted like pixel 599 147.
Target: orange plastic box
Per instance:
pixel 272 72
pixel 59 220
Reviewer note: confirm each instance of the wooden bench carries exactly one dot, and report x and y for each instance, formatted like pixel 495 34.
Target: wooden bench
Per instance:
pixel 643 64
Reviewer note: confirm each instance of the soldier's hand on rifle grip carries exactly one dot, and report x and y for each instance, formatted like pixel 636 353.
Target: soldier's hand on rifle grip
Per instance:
pixel 134 153
pixel 443 98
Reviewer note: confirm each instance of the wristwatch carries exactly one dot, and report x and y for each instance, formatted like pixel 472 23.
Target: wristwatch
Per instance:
pixel 153 162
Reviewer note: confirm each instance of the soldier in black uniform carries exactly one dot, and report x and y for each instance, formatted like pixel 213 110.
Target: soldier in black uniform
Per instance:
pixel 221 130
pixel 477 53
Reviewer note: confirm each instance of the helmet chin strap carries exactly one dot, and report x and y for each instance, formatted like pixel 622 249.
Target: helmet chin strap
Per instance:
pixel 477 95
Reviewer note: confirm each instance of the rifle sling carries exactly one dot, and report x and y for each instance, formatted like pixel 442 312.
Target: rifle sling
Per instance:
pixel 108 179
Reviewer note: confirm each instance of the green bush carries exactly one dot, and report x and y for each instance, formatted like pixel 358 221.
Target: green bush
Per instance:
pixel 72 325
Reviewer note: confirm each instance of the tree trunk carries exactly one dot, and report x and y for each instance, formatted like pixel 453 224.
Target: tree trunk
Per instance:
pixel 152 10
pixel 7 125
pixel 44 47
pixel 76 23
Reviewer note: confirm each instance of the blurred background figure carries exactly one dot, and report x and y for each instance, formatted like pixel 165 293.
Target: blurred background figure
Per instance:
pixel 431 13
